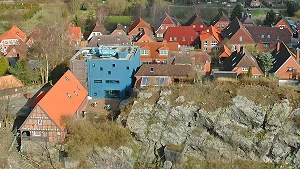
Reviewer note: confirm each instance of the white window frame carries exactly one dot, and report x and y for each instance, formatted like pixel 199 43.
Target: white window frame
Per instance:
pixel 175 38
pixel 241 38
pixel 183 38
pixel 214 43
pixel 171 39
pixel 205 43
pixel 163 52
pixel 245 69
pixel 144 52
pixel 37 133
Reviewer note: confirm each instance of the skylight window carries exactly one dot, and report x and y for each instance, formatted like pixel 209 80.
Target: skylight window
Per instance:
pixel 68 94
pixel 67 78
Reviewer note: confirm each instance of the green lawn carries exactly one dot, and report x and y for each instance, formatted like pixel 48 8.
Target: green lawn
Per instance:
pixel 258 14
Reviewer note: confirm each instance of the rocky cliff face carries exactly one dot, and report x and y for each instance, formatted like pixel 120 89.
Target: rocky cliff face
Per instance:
pixel 244 130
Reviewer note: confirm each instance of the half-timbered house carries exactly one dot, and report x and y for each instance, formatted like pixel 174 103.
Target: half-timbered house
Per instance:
pixel 67 97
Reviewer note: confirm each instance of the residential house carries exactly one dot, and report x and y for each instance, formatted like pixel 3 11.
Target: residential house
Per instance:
pixel 163 24
pixel 138 26
pixel 98 29
pixel 106 71
pixel 184 35
pixel 197 23
pixel 33 36
pixel 156 52
pixel 67 97
pixel 11 37
pixel 285 62
pixel 266 38
pixel 75 35
pixel 120 30
pixel 99 40
pixel 237 35
pixel 163 75
pixel 240 61
pixel 16 52
pixel 143 37
pixel 10 87
pixel 281 23
pixel 220 21
pixel 210 39
pixel 247 20
pixel 255 3
pixel 200 61
pixel 224 52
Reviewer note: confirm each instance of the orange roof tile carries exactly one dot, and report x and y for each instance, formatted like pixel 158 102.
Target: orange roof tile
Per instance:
pixel 211 31
pixel 9 81
pixel 64 98
pixel 225 52
pixel 13 33
pixel 141 23
pixel 75 33
pixel 155 46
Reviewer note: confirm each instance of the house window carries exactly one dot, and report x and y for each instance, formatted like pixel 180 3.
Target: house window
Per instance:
pixel 159 35
pixel 245 69
pixel 217 49
pixel 218 26
pixel 95 94
pixel 194 26
pixel 37 133
pixel 113 65
pixel 241 38
pixel 262 36
pixel 214 43
pixel 144 52
pixel 112 81
pixel 40 122
pixel 163 52
pixel 109 72
pixel 97 81
pixel 192 38
pixel 290 69
pixel 162 27
pixel 277 37
pixel 166 27
pixel 205 43
pixel 269 36
pixel 127 68
pixel 93 65
pixel 75 93
pixel 151 69
pixel 68 94
pixel 171 39
pixel 266 45
pixel 223 26
pixel 175 38
pixel 101 68
pixel 201 26
pixel 183 38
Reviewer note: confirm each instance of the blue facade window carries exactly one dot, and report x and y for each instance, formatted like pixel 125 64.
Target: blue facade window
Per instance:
pixel 101 68
pixel 127 68
pixel 109 72
pixel 93 65
pixel 113 65
pixel 97 81
pixel 95 94
pixel 112 81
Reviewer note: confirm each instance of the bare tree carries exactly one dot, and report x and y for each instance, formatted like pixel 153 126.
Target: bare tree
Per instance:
pixel 51 48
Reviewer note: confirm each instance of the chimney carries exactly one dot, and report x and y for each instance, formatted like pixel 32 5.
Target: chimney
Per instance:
pixel 278 46
pixel 298 55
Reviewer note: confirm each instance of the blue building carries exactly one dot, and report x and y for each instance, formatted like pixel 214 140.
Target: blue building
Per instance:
pixel 106 71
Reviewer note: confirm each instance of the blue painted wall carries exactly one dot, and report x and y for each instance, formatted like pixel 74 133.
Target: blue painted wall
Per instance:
pixel 117 69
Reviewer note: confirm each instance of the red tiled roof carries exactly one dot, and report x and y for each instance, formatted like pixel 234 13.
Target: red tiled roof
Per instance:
pixel 141 23
pixel 13 33
pixel 9 81
pixel 211 31
pixel 75 33
pixel 179 32
pixel 155 46
pixel 64 98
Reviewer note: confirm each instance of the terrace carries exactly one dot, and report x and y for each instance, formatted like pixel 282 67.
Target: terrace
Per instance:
pixel 105 52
